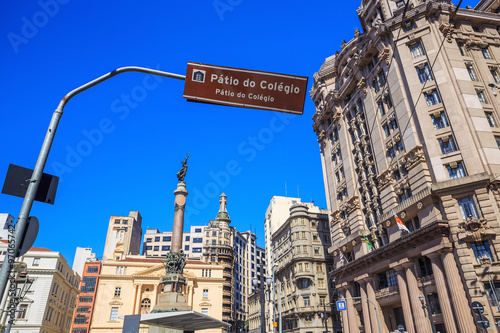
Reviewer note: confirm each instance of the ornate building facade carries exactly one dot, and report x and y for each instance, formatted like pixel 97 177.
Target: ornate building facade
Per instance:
pixel 407 118
pixel 301 269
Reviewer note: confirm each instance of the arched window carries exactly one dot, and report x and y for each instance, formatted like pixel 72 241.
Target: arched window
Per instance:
pixel 145 306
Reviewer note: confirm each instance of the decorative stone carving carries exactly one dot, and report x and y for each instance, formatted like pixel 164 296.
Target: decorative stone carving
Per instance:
pixel 475 230
pixel 414 156
pixel 402 214
pixel 420 205
pixel 384 54
pixel 336 217
pixel 352 204
pixel 447 29
pixel 385 179
pixel 362 85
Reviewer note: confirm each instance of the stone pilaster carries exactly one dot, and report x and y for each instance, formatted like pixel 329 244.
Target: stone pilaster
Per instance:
pixel 463 314
pixel 351 311
pixel 422 323
pixel 405 299
pixel 366 307
pixel 345 319
pixel 442 291
pixel 374 311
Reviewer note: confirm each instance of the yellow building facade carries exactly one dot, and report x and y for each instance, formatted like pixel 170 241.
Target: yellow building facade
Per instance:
pixel 130 286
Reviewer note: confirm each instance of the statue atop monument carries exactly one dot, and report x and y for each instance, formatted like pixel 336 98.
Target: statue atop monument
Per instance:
pixel 182 172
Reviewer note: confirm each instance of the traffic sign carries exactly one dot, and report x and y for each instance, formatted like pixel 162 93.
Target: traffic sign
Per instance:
pixel 478 307
pixel 245 88
pixel 482 321
pixel 341 305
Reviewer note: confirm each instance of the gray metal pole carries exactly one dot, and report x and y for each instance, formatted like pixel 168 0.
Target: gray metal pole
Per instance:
pixel 22 221
pixel 280 323
pixel 262 299
pixel 326 318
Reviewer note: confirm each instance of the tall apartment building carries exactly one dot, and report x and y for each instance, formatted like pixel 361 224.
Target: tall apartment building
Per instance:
pixel 219 250
pixel 82 255
pixel 407 118
pixel 123 236
pixel 250 263
pixel 301 271
pixel 157 244
pixel 50 302
pixel 86 299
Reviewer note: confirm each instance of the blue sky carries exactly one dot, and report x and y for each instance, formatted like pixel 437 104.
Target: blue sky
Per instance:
pixel 119 144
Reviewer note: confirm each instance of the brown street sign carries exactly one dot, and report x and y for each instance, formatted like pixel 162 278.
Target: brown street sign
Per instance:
pixel 245 88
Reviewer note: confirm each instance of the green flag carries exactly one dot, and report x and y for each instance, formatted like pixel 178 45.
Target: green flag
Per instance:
pixel 370 246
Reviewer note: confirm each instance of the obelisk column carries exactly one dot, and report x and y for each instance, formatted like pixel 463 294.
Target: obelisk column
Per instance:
pixel 180 204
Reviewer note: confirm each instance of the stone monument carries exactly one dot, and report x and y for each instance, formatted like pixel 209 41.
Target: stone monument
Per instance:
pixel 173 285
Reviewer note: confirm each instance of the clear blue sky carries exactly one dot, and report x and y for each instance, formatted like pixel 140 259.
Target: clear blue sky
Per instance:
pixel 141 128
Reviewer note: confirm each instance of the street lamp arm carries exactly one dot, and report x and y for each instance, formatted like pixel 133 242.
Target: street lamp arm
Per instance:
pixel 115 72
pixel 22 221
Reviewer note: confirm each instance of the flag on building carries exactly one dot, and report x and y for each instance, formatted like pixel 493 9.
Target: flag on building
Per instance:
pixel 400 224
pixel 370 246
pixel 343 259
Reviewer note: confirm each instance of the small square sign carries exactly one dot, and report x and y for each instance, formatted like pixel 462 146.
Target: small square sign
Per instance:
pixel 341 305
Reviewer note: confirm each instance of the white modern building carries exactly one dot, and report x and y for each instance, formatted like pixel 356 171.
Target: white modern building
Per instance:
pixel 157 243
pixel 82 255
pixel 6 220
pixel 50 302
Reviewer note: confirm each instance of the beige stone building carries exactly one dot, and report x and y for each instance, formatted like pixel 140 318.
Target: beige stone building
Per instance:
pixel 130 286
pixel 407 118
pixel 128 282
pixel 302 263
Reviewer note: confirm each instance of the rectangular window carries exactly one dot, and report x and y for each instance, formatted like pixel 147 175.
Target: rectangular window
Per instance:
pixel 471 72
pixel 456 170
pixel 118 291
pixel 21 313
pixel 381 107
pixel 197 230
pixel 186 247
pixel 156 248
pixel 149 240
pixel 205 293
pixel 486 53
pixel 167 238
pixel 149 248
pixel 497 139
pixel 88 284
pixel 432 97
pixel 157 239
pixel 387 279
pixel 83 309
pixel 482 251
pixel 386 130
pixel 400 4
pixel 197 240
pixel 307 301
pixel 381 78
pixel 468 208
pixel 188 238
pixel 416 50
pixel 391 152
pixel 447 145
pixel 36 261
pixel 80 319
pixel 461 48
pixel 196 250
pixel 408 26
pixel 491 119
pixel 424 73
pixel 86 299
pixel 493 295
pixel 375 85
pixel 481 96
pixel 439 120
pixel 204 311
pixel 114 314
pixel 92 269
pixel 117 221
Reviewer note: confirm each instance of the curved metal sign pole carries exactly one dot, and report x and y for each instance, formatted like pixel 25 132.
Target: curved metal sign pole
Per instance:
pixel 22 221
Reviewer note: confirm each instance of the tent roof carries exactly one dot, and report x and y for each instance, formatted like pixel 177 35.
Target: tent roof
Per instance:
pixel 182 320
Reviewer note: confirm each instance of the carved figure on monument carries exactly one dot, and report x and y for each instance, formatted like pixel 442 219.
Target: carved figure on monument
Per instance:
pixel 182 172
pixel 175 262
